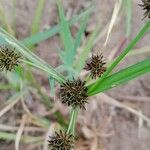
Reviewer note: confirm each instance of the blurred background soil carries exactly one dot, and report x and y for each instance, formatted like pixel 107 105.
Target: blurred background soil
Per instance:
pixel 101 126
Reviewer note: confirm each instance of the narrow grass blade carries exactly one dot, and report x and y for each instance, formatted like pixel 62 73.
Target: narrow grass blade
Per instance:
pixel 68 56
pixel 46 69
pixel 6 86
pixel 35 60
pixel 52 86
pixel 120 77
pixel 9 128
pixel 73 119
pixel 5 20
pixel 80 33
pixel 142 32
pixel 128 5
pixel 26 139
pixel 113 19
pixel 41 36
pixel 84 55
pixel 37 17
pixel 65 35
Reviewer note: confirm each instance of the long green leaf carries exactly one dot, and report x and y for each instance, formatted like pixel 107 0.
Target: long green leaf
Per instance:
pixel 84 55
pixel 26 139
pixel 65 35
pixel 52 86
pixel 80 33
pixel 5 21
pixel 35 60
pixel 128 4
pixel 41 36
pixel 121 77
pixel 142 32
pixel 37 17
pixel 6 86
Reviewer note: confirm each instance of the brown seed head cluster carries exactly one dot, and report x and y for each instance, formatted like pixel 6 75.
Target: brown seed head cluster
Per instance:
pixel 74 93
pixel 146 7
pixel 96 66
pixel 9 59
pixel 61 141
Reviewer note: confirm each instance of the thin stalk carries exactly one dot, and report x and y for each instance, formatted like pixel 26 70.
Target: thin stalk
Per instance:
pixel 44 68
pixel 26 139
pixel 128 17
pixel 72 124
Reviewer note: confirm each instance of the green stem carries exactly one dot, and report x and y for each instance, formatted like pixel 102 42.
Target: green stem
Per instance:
pixel 72 123
pixel 6 86
pixel 46 69
pixel 24 138
pixel 122 55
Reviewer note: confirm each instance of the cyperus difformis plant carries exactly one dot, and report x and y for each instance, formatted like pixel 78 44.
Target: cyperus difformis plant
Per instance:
pixel 96 66
pixel 61 141
pixel 146 7
pixel 9 59
pixel 74 93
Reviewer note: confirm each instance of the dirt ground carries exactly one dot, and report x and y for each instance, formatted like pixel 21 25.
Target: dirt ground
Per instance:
pixel 101 126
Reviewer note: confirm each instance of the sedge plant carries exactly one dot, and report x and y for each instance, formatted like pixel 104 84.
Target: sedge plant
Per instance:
pixel 73 91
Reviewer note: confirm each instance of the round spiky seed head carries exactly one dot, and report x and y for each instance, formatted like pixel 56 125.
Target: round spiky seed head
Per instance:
pixel 9 59
pixel 74 93
pixel 96 66
pixel 61 141
pixel 146 7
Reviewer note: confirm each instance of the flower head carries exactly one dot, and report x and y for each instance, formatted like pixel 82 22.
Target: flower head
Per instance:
pixel 74 93
pixel 146 7
pixel 9 59
pixel 61 141
pixel 96 66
